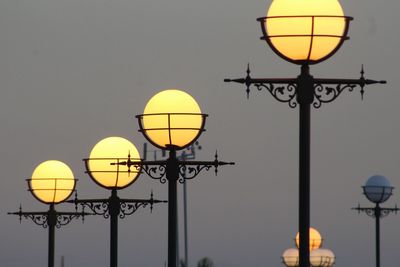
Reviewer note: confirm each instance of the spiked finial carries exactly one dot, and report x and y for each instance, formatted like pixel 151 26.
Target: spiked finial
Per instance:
pixel 248 80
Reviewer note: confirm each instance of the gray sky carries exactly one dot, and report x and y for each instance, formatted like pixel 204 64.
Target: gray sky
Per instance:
pixel 73 72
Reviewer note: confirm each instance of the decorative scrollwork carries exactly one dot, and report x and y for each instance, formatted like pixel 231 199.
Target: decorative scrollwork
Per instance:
pixel 326 94
pixel 63 219
pixel 156 172
pixel 130 208
pixel 377 211
pixel 283 93
pixel 40 219
pixel 101 208
pixel 189 172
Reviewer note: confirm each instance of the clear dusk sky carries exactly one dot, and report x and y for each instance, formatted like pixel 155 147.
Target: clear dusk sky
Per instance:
pixel 75 71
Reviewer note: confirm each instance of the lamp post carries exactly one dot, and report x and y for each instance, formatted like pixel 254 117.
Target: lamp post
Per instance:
pixel 171 121
pixel 377 190
pixel 319 257
pixel 304 32
pixel 103 169
pixel 52 182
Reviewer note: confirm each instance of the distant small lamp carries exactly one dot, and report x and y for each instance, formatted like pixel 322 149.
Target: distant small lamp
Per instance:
pixel 290 257
pixel 52 182
pixel 101 165
pixel 319 257
pixel 172 119
pixel 315 239
pixel 322 258
pixel 305 31
pixel 377 189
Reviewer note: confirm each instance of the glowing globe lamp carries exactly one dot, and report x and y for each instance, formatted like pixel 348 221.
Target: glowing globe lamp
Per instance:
pixel 172 119
pixel 305 31
pixel 378 189
pixel 315 239
pixel 290 257
pixel 103 163
pixel 322 258
pixel 52 182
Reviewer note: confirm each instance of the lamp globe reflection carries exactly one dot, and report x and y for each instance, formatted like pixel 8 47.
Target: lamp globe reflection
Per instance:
pixel 52 182
pixel 101 165
pixel 305 31
pixel 377 189
pixel 315 239
pixel 172 119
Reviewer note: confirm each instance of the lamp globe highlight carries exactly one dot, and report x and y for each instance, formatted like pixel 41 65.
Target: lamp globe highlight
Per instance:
pixel 172 119
pixel 102 164
pixel 52 182
pixel 315 239
pixel 305 31
pixel 378 189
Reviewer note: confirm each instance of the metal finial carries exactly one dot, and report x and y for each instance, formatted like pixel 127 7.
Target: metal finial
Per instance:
pixel 151 201
pixel 362 78
pixel 248 81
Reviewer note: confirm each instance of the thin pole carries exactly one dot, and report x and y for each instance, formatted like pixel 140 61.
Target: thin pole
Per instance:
pixel 172 173
pixel 305 92
pixel 185 223
pixel 113 207
pixel 377 233
pixel 51 221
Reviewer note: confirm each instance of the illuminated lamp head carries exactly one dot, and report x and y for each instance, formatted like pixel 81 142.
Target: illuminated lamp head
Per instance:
pixel 315 239
pixel 172 119
pixel 305 31
pixel 103 164
pixel 290 257
pixel 52 182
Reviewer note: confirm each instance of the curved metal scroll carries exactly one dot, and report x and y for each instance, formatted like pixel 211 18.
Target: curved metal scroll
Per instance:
pixel 327 94
pixel 283 93
pixel 156 172
pixel 130 208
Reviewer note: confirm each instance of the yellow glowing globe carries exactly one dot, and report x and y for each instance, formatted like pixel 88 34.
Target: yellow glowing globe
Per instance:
pixel 103 166
pixel 172 118
pixel 315 239
pixel 305 31
pixel 52 182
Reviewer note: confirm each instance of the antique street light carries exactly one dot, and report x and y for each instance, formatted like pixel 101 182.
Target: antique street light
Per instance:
pixel 319 257
pixel 172 120
pixel 103 168
pixel 52 182
pixel 304 32
pixel 377 190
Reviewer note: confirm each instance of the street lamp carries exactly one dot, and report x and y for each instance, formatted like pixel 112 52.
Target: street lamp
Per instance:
pixel 172 120
pixel 52 182
pixel 304 32
pixel 319 257
pixel 377 190
pixel 103 168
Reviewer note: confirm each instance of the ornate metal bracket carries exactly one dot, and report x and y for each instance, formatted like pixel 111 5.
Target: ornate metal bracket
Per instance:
pixel 286 89
pixel 373 212
pixel 123 207
pixel 42 218
pixel 190 169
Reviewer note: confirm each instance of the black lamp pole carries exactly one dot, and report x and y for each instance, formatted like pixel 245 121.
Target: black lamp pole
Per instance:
pixel 114 208
pixel 377 212
pixel 305 90
pixel 173 170
pixel 50 219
